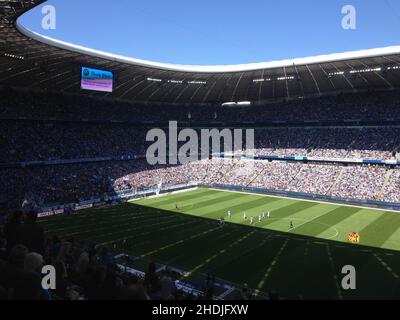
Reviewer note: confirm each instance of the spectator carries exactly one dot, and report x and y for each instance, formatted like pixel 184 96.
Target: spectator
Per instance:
pixel 10 229
pixel 61 290
pixel 31 234
pixel 33 262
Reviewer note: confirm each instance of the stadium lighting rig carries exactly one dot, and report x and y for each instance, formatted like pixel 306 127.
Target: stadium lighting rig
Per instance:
pixel 197 82
pixel 175 81
pixel 337 73
pixel 154 79
pixel 285 78
pixel 14 56
pixel 239 103
pixel 365 70
pixel 281 78
pixel 261 80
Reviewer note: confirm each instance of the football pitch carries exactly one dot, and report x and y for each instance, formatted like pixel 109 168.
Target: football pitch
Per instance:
pixel 181 230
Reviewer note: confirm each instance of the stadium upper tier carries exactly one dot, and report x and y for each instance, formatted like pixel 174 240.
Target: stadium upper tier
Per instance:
pixel 30 60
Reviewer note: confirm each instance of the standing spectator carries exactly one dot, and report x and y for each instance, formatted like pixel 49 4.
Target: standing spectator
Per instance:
pixel 10 230
pixel 33 264
pixel 31 234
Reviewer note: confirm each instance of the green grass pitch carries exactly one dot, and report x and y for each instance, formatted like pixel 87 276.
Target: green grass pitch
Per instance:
pixel 306 260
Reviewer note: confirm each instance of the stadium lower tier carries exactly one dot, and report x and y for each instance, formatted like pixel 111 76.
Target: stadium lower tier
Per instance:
pixel 70 183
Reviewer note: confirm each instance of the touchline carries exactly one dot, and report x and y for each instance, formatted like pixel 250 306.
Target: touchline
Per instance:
pixel 157 152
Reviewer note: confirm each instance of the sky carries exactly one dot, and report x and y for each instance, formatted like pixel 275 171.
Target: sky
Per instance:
pixel 220 32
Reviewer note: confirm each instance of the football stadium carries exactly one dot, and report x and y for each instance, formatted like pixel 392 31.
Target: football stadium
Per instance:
pixel 128 179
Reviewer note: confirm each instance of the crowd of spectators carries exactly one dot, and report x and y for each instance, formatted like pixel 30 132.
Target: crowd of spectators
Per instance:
pixel 36 126
pixel 78 182
pixel 70 183
pixel 365 182
pixel 315 179
pixel 38 105
pixel 43 141
pixel 391 192
pixel 362 182
pixel 360 143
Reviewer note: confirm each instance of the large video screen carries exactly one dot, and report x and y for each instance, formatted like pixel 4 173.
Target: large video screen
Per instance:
pixel 96 79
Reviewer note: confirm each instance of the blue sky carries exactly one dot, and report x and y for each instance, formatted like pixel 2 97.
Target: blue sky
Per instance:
pixel 214 32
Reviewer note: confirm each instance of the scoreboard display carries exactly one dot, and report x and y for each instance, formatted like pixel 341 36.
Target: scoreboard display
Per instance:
pixel 96 79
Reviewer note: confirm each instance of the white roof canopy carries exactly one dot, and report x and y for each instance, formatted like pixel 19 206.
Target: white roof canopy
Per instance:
pixel 209 69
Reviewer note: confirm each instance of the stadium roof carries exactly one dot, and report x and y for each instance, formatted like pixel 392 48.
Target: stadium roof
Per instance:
pixel 28 59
